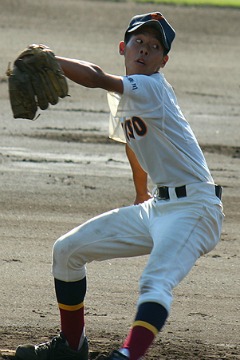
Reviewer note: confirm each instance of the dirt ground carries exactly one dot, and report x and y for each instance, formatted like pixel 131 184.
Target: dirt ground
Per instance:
pixel 61 170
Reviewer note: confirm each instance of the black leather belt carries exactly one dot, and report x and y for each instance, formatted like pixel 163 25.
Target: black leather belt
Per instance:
pixel 162 192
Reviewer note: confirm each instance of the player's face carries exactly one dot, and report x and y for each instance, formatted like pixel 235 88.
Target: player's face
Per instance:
pixel 144 53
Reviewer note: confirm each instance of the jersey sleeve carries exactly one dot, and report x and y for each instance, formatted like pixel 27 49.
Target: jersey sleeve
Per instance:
pixel 142 97
pixel 115 123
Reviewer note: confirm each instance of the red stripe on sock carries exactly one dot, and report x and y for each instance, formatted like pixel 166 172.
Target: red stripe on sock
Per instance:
pixel 138 341
pixel 72 325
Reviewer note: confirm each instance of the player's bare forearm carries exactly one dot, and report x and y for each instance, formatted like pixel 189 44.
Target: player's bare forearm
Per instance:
pixel 89 75
pixel 81 72
pixel 140 178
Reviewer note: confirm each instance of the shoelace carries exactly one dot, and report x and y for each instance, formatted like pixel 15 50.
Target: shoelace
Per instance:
pixel 49 345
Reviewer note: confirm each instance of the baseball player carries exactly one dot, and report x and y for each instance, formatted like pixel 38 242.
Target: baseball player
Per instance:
pixel 176 224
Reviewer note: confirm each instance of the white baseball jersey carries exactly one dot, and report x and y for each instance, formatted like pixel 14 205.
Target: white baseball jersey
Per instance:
pixel 148 117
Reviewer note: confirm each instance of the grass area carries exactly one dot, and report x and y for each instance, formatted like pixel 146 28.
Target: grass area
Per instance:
pixel 223 3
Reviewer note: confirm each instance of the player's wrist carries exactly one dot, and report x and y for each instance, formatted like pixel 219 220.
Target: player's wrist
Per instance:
pixel 140 198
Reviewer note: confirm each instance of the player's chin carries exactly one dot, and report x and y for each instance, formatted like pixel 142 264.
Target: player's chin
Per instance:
pixel 143 69
pixel 136 69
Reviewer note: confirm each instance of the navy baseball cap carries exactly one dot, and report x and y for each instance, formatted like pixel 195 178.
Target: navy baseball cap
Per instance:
pixel 157 20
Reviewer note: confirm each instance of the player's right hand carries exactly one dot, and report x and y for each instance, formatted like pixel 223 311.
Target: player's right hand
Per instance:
pixel 141 198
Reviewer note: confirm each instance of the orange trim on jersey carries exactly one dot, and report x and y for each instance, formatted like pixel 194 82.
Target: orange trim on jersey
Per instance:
pixel 146 325
pixel 71 307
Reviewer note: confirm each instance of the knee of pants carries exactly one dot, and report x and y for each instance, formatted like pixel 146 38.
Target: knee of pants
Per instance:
pixel 155 290
pixel 66 265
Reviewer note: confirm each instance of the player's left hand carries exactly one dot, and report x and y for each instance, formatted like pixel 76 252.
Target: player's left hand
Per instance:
pixel 36 80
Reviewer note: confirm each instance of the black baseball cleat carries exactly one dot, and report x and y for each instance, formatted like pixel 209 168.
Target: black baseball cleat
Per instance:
pixel 116 355
pixel 56 349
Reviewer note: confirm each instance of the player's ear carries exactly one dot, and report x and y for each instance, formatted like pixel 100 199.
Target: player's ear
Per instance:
pixel 122 48
pixel 164 60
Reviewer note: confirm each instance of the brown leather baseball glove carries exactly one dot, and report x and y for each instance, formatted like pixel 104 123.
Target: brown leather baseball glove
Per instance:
pixel 35 81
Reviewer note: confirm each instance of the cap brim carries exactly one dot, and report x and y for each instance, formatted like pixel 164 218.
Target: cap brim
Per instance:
pixel 155 24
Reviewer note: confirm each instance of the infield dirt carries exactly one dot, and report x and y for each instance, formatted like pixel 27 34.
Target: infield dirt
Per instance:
pixel 61 170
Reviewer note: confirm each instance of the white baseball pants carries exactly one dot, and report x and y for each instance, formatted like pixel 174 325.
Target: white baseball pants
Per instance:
pixel 174 232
